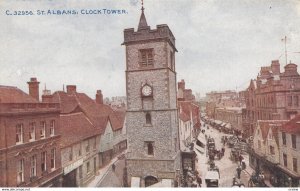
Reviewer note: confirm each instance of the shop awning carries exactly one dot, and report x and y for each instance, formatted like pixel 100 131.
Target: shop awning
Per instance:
pixel 218 122
pixel 223 124
pixel 201 138
pixel 228 126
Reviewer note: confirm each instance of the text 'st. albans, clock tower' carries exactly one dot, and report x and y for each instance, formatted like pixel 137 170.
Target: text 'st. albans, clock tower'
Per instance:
pixel 152 122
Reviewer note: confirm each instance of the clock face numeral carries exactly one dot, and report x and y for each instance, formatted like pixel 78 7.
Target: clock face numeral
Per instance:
pixel 147 90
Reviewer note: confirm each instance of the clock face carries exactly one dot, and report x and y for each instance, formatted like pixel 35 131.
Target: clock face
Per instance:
pixel 147 90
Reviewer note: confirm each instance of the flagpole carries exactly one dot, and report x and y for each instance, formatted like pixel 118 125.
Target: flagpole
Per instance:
pixel 285 50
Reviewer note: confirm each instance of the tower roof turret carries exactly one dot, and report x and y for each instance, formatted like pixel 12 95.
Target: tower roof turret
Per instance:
pixel 143 22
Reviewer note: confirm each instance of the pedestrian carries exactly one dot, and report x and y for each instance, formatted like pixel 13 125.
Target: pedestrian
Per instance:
pixel 113 167
pixel 199 180
pixel 239 170
pixel 240 159
pixel 234 181
pixel 223 151
pixel 243 164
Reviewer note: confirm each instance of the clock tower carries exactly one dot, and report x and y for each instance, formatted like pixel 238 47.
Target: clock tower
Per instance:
pixel 153 153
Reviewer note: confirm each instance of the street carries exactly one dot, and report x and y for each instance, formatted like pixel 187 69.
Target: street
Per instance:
pixel 227 167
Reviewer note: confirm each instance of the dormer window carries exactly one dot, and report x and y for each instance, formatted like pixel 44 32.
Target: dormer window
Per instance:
pixel 146 57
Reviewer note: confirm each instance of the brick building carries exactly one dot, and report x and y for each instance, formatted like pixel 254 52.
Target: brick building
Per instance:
pixel 84 123
pixel 29 139
pixel 189 115
pixel 183 93
pixel 189 122
pixel 153 153
pixel 273 95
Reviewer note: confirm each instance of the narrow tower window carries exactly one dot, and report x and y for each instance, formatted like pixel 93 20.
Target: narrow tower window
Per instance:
pixel 148 119
pixel 150 148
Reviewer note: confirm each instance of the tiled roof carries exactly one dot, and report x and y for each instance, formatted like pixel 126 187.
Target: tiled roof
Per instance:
pixel 98 114
pixel 76 127
pixel 9 94
pixel 183 117
pixel 292 126
pixel 187 108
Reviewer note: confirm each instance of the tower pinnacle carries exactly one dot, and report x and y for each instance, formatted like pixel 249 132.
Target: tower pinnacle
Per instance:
pixel 143 22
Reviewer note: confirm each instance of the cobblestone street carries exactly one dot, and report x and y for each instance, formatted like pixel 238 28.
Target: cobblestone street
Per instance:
pixel 226 166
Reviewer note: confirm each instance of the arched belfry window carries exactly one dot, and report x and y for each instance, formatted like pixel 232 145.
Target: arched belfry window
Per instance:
pixel 148 118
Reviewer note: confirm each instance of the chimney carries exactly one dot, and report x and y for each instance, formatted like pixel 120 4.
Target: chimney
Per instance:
pixel 181 85
pixel 275 67
pixel 34 88
pixel 47 96
pixel 99 97
pixel 71 89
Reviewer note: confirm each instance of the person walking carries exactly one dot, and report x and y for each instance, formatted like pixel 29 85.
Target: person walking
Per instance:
pixel 240 159
pixel 239 170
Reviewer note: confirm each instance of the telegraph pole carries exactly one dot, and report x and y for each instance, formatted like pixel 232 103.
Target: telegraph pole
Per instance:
pixel 285 38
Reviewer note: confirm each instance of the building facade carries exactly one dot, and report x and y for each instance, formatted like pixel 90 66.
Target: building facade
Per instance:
pixel 231 115
pixel 274 95
pixel 85 125
pixel 153 153
pixel 29 139
pixel 289 143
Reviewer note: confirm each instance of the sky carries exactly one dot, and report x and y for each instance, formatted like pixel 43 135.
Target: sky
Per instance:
pixel 221 43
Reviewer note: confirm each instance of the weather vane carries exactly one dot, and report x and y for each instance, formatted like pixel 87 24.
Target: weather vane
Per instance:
pixel 143 5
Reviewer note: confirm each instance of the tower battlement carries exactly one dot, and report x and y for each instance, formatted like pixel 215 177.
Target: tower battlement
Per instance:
pixel 145 34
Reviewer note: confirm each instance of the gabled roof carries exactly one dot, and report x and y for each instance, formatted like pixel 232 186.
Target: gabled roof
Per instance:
pixel 76 127
pixel 273 125
pixel 9 94
pixel 189 112
pixel 98 114
pixel 292 126
pixel 185 110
